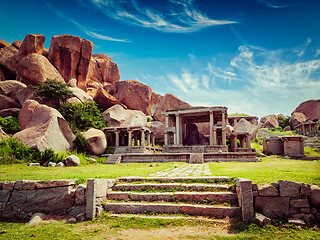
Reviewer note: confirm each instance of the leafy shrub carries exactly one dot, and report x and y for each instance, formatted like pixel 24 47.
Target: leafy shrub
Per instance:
pixel 13 151
pixel 284 121
pixel 52 90
pixel 82 116
pixel 10 125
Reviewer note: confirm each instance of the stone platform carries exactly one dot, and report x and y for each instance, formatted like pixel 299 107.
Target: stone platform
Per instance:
pixel 188 157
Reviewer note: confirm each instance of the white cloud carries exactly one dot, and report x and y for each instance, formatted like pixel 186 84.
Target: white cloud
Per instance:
pixel 174 16
pixel 83 28
pixel 270 86
pixel 276 3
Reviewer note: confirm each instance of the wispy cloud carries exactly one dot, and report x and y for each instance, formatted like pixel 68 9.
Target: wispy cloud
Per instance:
pixel 259 82
pixel 277 3
pixel 178 16
pixel 82 27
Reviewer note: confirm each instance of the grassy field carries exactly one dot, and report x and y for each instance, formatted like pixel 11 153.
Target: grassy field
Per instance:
pixel 108 227
pixel 270 169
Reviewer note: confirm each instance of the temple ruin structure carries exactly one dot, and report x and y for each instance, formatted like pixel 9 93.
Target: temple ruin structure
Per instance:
pixel 292 146
pixel 308 129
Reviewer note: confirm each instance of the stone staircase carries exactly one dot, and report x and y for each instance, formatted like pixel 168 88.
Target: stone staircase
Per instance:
pixel 197 196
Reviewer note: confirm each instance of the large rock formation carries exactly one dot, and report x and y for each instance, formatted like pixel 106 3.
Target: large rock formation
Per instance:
pixel 71 55
pixel 157 128
pixel 296 119
pixel 8 61
pixel 11 87
pixel 81 95
pixel 3 44
pixel 97 142
pixel 43 127
pixel 33 43
pixel 169 102
pixel 310 109
pixel 104 99
pixel 118 116
pixel 136 95
pixel 270 121
pixel 35 69
pixel 6 102
pixel 103 70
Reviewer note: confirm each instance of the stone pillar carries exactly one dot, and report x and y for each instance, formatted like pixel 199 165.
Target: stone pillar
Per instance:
pixel 117 138
pixel 224 137
pixel 248 143
pixel 233 142
pixel 177 133
pixel 143 138
pixel 153 140
pixel 245 197
pixel 242 140
pixel 214 136
pixel 165 133
pixel 135 138
pixel 223 119
pixel 211 129
pixel 148 139
pixel 130 138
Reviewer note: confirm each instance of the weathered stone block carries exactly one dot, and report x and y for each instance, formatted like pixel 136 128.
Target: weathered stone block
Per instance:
pixel 261 219
pixel 28 185
pixel 151 197
pixel 8 185
pixel 276 185
pixel 79 209
pixel 4 195
pixel 121 196
pixel 196 158
pixel 289 189
pixel 18 185
pixel 272 207
pixel 268 191
pixel 54 183
pixel 80 194
pixel 296 221
pixel 305 210
pixel 246 200
pixel 315 197
pixel 294 210
pixel 305 190
pixel 43 200
pixel 102 186
pixel 254 187
pixel 91 199
pixel 299 203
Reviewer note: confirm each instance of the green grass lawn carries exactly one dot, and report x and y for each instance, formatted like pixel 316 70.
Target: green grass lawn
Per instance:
pixel 270 169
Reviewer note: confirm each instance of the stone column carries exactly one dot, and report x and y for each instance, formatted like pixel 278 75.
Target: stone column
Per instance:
pixel 117 138
pixel 130 138
pixel 242 140
pixel 177 133
pixel 248 143
pixel 211 129
pixel 143 138
pixel 214 136
pixel 223 119
pixel 224 137
pixel 153 140
pixel 165 133
pixel 148 139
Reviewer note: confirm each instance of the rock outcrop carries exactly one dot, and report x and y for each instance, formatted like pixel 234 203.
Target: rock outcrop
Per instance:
pixel 6 102
pixel 157 128
pixel 4 44
pixel 35 69
pixel 270 121
pixel 310 108
pixel 104 99
pixel 169 102
pixel 136 95
pixel 71 55
pixel 97 142
pixel 43 127
pixel 81 95
pixel 117 116
pixel 296 119
pixel 33 43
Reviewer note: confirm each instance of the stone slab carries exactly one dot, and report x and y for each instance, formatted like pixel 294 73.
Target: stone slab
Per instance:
pixel 54 183
pixel 268 191
pixel 299 203
pixel 272 207
pixel 289 189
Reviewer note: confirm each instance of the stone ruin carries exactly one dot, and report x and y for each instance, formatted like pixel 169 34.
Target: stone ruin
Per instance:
pixel 292 146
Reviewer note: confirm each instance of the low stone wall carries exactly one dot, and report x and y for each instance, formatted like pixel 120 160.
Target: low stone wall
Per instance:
pixel 21 199
pixel 297 201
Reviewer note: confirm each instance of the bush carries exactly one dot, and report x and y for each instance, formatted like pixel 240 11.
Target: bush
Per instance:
pixel 10 125
pixel 82 116
pixel 52 90
pixel 284 122
pixel 13 151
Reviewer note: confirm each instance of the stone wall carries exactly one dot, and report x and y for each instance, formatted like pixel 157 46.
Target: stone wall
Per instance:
pixel 21 199
pixel 296 201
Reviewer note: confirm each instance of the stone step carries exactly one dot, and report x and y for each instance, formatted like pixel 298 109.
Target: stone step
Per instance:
pixel 176 179
pixel 170 186
pixel 197 197
pixel 113 159
pixel 188 209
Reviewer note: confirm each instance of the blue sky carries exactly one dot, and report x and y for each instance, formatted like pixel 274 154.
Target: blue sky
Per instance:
pixel 254 56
